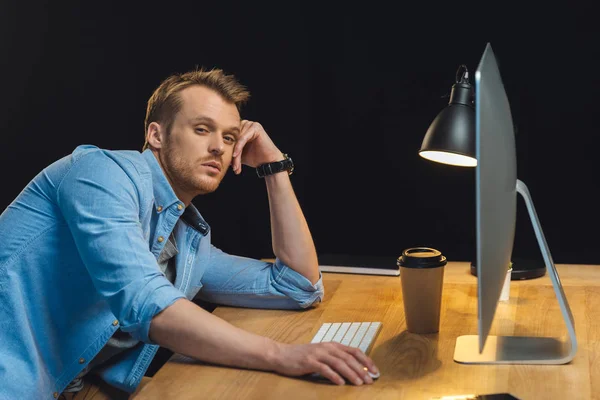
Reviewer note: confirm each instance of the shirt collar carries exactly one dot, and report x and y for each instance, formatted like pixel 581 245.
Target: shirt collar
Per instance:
pixel 192 216
pixel 164 196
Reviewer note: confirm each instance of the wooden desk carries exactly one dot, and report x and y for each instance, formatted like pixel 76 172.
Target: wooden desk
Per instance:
pixel 412 366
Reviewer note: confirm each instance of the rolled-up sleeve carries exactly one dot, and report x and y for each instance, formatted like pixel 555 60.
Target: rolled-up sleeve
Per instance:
pixel 246 282
pixel 296 285
pixel 101 206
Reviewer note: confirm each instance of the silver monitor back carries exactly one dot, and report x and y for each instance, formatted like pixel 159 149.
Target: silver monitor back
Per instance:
pixel 496 183
pixel 496 200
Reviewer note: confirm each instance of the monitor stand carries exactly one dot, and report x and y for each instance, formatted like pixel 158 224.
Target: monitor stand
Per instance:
pixel 523 349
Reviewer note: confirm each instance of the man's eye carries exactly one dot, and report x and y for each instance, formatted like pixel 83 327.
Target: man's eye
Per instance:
pixel 230 139
pixel 201 130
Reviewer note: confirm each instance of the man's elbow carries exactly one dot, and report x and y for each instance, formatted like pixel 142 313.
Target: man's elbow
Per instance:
pixel 163 323
pixel 315 299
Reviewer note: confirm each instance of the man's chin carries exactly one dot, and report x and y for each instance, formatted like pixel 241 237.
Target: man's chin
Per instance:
pixel 206 186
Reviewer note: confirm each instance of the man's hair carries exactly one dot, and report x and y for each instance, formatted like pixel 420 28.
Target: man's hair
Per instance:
pixel 165 102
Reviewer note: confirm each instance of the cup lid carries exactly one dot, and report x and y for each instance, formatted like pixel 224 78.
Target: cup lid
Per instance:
pixel 421 257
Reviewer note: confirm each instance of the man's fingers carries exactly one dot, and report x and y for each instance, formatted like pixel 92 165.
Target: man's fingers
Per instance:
pixel 332 361
pixel 239 145
pixel 357 366
pixel 341 367
pixel 244 126
pixel 362 359
pixel 250 134
pixel 328 373
pixel 237 153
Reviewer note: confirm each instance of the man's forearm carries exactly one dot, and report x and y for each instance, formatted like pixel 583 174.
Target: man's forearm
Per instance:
pixel 187 329
pixel 292 241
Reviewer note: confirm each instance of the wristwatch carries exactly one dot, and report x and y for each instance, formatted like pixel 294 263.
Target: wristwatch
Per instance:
pixel 275 167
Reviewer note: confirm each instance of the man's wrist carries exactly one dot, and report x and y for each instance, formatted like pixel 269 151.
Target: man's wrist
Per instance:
pixel 273 355
pixel 277 156
pixel 285 164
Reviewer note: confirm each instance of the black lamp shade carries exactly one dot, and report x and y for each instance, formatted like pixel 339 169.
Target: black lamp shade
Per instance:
pixel 450 138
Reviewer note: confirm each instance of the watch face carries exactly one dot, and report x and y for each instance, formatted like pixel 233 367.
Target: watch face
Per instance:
pixel 289 165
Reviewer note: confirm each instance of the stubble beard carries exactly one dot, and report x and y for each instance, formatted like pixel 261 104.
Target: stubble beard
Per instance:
pixel 186 176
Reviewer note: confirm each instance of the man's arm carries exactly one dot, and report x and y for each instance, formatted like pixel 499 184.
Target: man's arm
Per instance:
pixel 185 328
pixel 292 241
pixel 100 203
pixel 247 282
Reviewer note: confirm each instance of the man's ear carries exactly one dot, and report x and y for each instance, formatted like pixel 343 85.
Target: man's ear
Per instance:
pixel 155 136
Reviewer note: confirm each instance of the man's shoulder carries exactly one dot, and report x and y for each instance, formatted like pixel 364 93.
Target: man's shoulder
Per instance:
pixel 131 161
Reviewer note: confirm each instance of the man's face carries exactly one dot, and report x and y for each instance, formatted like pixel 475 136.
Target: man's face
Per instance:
pixel 197 152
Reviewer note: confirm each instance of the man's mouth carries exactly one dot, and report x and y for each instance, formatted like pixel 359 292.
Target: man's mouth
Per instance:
pixel 214 165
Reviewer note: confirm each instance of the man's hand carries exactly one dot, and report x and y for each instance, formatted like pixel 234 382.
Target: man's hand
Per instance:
pixel 254 147
pixel 331 360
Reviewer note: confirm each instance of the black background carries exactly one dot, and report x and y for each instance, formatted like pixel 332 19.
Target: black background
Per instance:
pixel 347 90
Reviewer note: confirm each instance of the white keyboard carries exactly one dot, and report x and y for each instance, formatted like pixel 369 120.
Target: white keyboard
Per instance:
pixel 354 334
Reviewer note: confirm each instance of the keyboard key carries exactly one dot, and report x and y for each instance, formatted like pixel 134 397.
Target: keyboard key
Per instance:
pixel 331 332
pixel 369 336
pixel 359 334
pixel 341 332
pixel 321 333
pixel 350 334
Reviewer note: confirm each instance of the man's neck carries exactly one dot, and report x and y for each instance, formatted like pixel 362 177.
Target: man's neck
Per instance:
pixel 184 197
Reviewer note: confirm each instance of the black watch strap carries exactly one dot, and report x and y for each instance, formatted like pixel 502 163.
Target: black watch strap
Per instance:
pixel 275 167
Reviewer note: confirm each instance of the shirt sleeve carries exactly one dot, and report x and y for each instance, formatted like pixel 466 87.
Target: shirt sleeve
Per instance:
pixel 245 282
pixel 101 206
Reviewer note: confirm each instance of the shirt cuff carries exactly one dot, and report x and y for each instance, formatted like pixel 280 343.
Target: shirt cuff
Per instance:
pixel 297 286
pixel 154 297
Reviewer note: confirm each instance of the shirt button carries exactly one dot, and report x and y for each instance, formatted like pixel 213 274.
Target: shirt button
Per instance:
pixel 115 322
pixel 55 395
pixel 81 360
pixel 160 239
pixel 159 208
pixel 179 207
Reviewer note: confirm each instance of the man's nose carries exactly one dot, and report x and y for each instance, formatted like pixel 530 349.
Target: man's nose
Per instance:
pixel 216 145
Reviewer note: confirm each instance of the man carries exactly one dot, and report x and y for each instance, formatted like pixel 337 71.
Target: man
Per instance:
pixel 103 251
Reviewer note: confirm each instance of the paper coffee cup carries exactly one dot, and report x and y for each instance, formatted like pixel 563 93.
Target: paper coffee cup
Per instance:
pixel 422 278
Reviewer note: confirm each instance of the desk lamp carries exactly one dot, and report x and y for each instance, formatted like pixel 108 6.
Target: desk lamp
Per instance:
pixel 450 139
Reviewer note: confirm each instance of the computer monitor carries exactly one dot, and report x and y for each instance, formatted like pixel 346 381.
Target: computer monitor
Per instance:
pixel 496 207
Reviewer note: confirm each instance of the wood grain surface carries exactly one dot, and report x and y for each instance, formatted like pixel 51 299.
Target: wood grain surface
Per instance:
pixel 412 366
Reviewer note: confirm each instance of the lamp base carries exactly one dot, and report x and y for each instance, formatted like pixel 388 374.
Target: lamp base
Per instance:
pixel 522 269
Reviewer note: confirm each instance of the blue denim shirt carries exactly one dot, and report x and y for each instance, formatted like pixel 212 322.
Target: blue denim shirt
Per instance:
pixel 78 260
